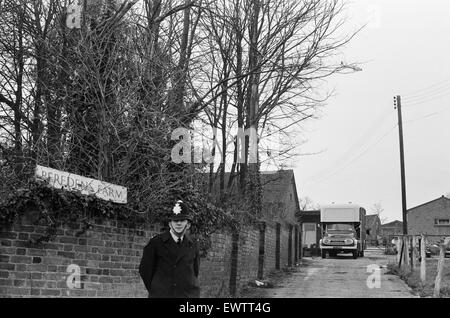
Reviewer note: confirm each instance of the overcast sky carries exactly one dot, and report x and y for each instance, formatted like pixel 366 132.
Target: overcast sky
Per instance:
pixel 406 51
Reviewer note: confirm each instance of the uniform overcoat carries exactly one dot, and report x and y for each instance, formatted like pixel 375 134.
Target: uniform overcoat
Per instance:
pixel 170 270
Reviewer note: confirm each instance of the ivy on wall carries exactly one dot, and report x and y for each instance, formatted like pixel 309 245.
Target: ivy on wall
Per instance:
pixel 52 208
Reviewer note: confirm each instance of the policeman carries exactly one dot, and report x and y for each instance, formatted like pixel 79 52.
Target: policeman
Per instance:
pixel 170 262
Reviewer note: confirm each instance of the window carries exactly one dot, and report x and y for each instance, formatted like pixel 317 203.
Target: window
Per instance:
pixel 309 226
pixel 441 222
pixel 340 227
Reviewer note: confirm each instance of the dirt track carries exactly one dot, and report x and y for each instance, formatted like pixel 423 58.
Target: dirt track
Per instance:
pixel 340 276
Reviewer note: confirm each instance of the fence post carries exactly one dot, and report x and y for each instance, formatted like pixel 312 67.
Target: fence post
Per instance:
pixel 437 283
pixel 386 245
pixel 413 251
pixel 399 250
pixel 406 251
pixel 423 259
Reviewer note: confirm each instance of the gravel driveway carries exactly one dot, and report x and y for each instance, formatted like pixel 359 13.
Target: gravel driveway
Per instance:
pixel 341 277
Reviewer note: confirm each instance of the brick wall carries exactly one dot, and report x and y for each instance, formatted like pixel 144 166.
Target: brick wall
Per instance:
pixel 248 256
pixel 108 256
pixel 291 204
pixel 284 251
pixel 269 254
pixel 214 277
pixel 391 231
pixel 421 219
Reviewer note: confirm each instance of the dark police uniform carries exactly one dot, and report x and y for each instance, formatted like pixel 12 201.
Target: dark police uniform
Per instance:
pixel 168 269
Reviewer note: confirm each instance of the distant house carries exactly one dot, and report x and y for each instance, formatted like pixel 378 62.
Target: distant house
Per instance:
pixel 392 229
pixel 309 222
pixel 373 229
pixel 432 218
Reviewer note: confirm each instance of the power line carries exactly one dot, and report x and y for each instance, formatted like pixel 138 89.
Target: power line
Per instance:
pixel 428 95
pixel 427 99
pixel 357 157
pixel 428 115
pixel 367 135
pixel 436 90
pixel 428 88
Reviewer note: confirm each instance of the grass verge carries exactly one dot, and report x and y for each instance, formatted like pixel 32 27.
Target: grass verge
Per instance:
pixel 412 278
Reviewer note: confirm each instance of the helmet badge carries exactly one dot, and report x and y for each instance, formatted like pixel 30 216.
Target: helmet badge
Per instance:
pixel 177 207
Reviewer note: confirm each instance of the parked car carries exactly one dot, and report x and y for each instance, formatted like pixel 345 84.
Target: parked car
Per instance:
pixel 431 249
pixel 436 248
pixel 428 252
pixel 390 249
pixel 393 244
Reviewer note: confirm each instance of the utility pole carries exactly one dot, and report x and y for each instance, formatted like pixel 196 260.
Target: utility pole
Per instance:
pixel 398 105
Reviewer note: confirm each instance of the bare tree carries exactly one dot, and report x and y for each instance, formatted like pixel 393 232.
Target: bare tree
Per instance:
pixel 281 50
pixel 306 203
pixel 14 53
pixel 103 100
pixel 378 210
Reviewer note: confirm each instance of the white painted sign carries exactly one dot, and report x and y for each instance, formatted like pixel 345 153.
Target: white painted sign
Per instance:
pixel 72 182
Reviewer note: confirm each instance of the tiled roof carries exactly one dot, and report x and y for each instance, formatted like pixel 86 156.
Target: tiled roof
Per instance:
pixel 276 202
pixel 440 198
pixel 395 223
pixel 275 184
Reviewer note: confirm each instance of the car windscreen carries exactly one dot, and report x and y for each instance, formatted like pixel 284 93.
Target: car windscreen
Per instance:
pixel 340 227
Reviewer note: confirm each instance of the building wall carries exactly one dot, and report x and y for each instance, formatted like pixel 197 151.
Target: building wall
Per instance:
pixel 375 232
pixel 286 217
pixel 214 276
pixel 421 219
pixel 284 251
pixel 389 230
pixel 269 253
pixel 291 205
pixel 248 257
pixel 109 254
pixel 394 230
